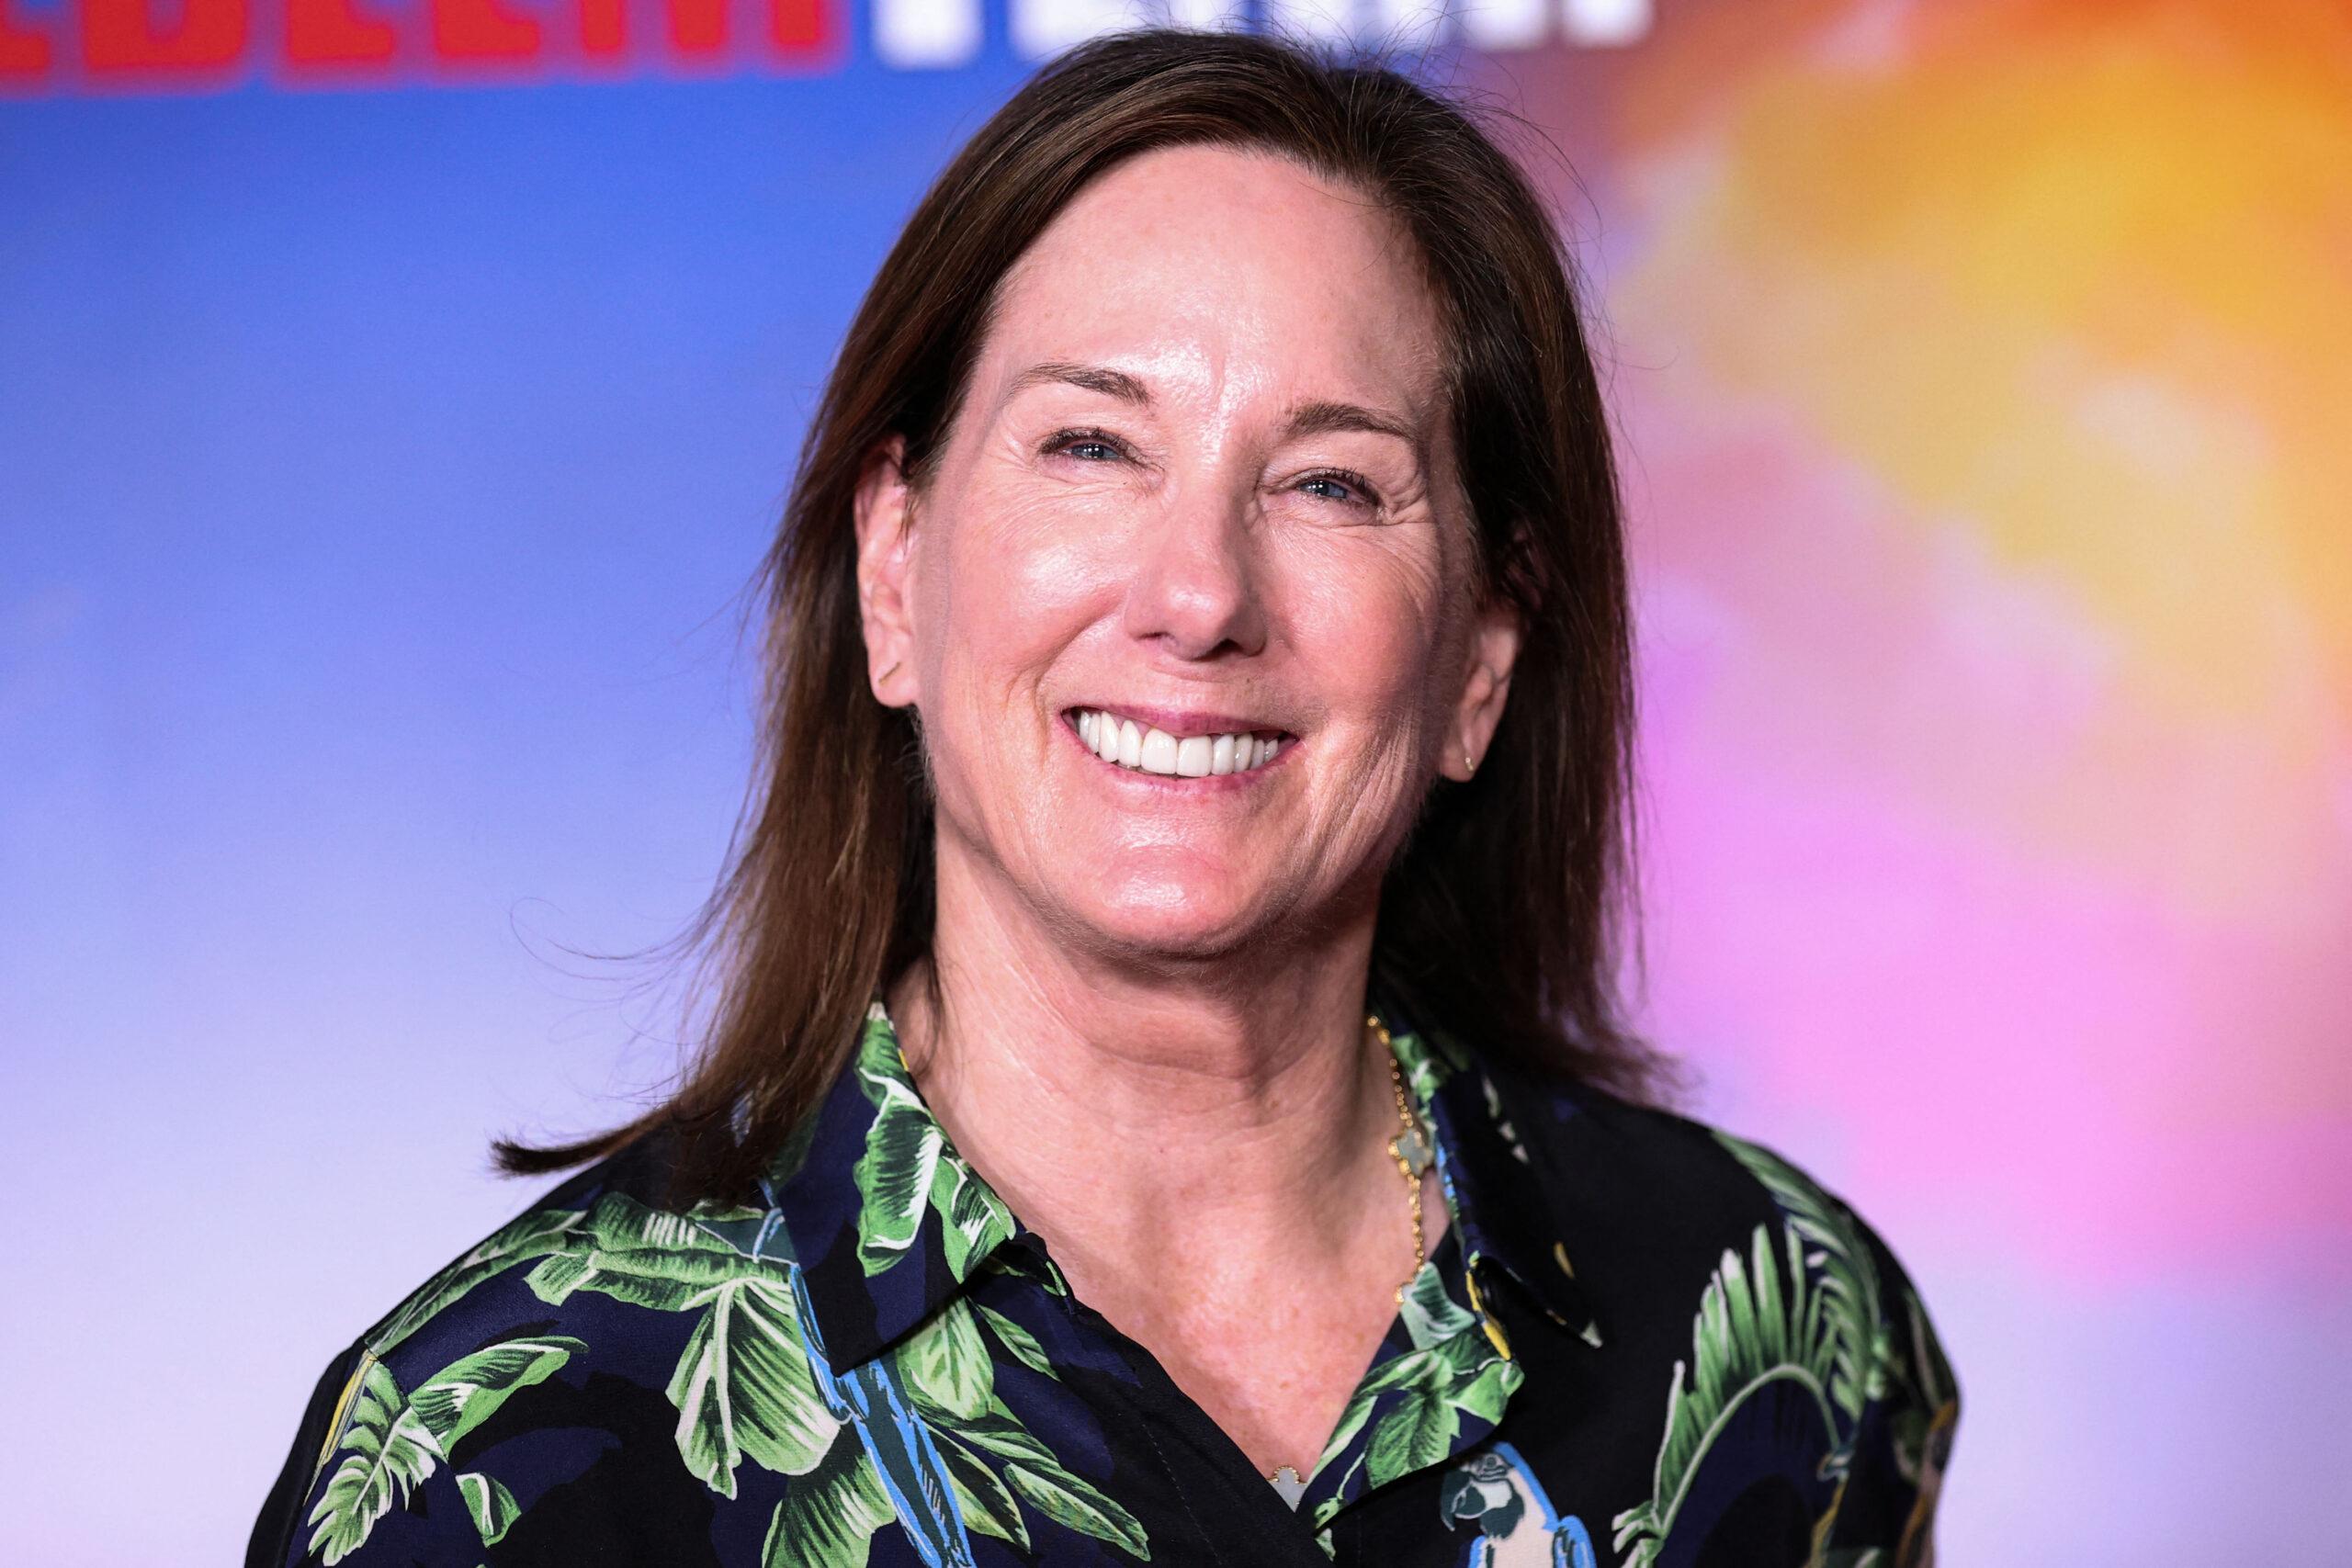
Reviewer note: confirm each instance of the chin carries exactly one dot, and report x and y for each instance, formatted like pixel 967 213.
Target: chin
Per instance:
pixel 1170 919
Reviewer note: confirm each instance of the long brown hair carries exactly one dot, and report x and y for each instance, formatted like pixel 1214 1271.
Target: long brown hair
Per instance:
pixel 1502 913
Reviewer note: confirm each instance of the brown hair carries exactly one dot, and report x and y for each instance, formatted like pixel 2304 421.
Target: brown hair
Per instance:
pixel 1500 916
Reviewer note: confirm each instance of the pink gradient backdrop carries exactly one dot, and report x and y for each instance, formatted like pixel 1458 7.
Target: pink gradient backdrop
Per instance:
pixel 1986 376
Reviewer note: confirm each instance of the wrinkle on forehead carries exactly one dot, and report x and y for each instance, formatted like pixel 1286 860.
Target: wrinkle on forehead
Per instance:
pixel 1226 311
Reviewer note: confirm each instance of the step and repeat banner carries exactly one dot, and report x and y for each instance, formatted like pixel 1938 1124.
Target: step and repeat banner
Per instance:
pixel 395 396
pixel 198 45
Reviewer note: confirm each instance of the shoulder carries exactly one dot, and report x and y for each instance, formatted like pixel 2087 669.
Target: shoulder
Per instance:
pixel 1705 1248
pixel 1674 1175
pixel 1667 1205
pixel 531 1341
pixel 1723 1268
pixel 487 1288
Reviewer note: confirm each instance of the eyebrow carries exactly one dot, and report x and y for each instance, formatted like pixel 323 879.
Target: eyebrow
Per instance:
pixel 1093 378
pixel 1320 417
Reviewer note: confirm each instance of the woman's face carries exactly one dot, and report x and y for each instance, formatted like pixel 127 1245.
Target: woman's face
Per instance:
pixel 1187 607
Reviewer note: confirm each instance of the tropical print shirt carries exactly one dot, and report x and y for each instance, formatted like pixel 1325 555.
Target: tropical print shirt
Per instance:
pixel 1639 1342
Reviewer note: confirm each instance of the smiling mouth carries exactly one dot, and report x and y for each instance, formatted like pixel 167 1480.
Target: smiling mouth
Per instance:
pixel 1145 749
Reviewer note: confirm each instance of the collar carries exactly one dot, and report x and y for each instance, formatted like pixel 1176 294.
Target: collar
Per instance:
pixel 886 1219
pixel 887 1222
pixel 1499 1198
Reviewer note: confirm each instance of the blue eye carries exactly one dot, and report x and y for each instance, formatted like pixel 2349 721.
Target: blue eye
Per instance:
pixel 1353 487
pixel 1079 441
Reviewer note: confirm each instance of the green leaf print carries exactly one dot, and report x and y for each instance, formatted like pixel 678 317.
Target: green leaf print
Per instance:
pixel 742 1383
pixel 829 1517
pixel 1932 1401
pixel 1033 1470
pixel 1017 1340
pixel 1755 1325
pixel 974 1219
pixel 1415 1432
pixel 743 1387
pixel 467 1391
pixel 894 1174
pixel 934 1392
pixel 999 1431
pixel 1850 1287
pixel 1454 1370
pixel 393 1442
pixel 493 1506
pixel 645 1258
pixel 389 1450
pixel 1416 1366
pixel 946 1365
pixel 1432 1316
pixel 533 1235
pixel 1428 1060
pixel 1067 1500
pixel 1488 1388
pixel 985 1501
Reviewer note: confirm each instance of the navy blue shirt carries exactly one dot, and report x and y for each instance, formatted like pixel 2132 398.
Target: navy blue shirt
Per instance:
pixel 1639 1341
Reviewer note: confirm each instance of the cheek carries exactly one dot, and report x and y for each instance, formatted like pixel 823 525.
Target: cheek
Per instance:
pixel 1004 591
pixel 1366 618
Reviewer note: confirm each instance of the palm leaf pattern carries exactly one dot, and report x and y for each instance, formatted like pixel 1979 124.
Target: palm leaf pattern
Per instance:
pixel 1420 1397
pixel 829 1520
pixel 393 1441
pixel 1754 1326
pixel 953 1456
pixel 1850 1284
pixel 532 1236
pixel 389 1450
pixel 492 1506
pixel 1806 1313
pixel 955 1403
pixel 930 1445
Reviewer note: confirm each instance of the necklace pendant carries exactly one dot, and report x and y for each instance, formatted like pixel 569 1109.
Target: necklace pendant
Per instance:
pixel 1411 1152
pixel 1289 1484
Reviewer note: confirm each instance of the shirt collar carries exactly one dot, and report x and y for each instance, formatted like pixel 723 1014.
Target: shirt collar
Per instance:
pixel 887 1221
pixel 1497 1196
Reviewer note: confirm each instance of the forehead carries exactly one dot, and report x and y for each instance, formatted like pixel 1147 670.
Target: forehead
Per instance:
pixel 1238 266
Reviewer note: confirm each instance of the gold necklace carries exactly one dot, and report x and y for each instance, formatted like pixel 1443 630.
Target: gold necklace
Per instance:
pixel 1411 1153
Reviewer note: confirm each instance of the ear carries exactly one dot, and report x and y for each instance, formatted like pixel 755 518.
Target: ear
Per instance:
pixel 885 547
pixel 1494 649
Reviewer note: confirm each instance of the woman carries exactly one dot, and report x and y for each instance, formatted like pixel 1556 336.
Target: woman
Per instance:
pixel 1165 1043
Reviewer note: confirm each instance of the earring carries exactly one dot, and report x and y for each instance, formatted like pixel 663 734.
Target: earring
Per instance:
pixel 890 672
pixel 1469 763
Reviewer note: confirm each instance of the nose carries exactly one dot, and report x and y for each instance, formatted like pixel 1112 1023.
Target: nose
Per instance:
pixel 1196 590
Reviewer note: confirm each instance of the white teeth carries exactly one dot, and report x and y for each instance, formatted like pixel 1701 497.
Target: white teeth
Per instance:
pixel 1159 752
pixel 1151 750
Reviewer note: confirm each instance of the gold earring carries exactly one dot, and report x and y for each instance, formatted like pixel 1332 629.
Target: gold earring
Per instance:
pixel 890 672
pixel 1469 763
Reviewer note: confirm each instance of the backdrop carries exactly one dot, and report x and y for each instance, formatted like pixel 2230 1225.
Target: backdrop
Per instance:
pixel 395 395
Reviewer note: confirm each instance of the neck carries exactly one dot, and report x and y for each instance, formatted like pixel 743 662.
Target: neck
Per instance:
pixel 1148 1119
